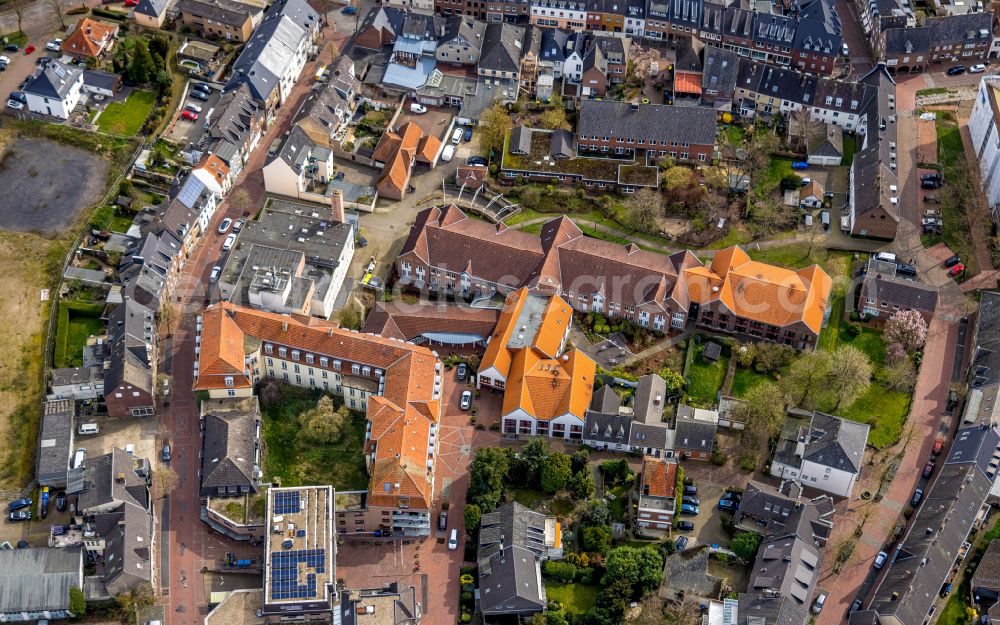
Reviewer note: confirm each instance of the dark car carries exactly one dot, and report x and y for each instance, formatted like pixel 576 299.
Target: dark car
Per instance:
pixel 476 160
pixel 467 136
pixel 339 176
pixel 929 468
pixel 728 504
pixel 954 260
pixel 690 489
pixel 933 175
pixel 957 70
pixel 349 10
pixel 855 606
pixel 22 544
pixel 689 509
pixel 691 500
pixel 204 88
pixel 930 184
pixel 165 454
pixel 61 501
pixel 20 515
pixel 12 47
pixel 906 269
pixel 443 521
pixel 917 496
pixel 463 372
pixel 3 66
pixel 19 504
pixel 19 96
pixel 199 95
pixel 685 526
pixel 682 543
pixel 732 494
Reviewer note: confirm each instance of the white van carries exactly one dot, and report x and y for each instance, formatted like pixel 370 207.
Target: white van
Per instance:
pixel 417 108
pixel 78 459
pixel 456 137
pixel 889 257
pixel 88 428
pixel 453 540
pixel 447 153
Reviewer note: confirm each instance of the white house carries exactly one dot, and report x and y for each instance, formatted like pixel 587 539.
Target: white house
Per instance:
pixel 55 90
pixel 301 169
pixel 828 458
pixel 986 140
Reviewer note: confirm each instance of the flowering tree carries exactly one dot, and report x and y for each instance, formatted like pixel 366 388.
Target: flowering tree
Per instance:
pixel 908 328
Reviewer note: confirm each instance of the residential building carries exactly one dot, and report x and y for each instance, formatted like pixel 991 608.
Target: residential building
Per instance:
pixel 325 116
pixel 811 195
pixel 55 442
pixel 153 13
pixel 77 383
pixel 89 39
pixel 787 568
pixel 513 542
pixel 432 323
pixel 502 49
pixel 37 583
pixel 657 494
pixel 694 432
pixel 874 191
pixel 387 378
pixel 638 428
pixel 243 603
pixel 230 447
pixel 235 128
pixel 148 268
pixel 826 148
pixel 821 451
pixel 883 293
pixel 55 90
pixel 231 20
pixel 274 56
pixel 986 141
pixel 398 152
pixel 546 389
pixel 944 39
pixel 983 378
pixel 595 64
pixel 380 28
pixel 395 602
pixel 606 426
pixel 301 274
pixel 985 583
pixel 300 581
pixel 130 371
pixel 622 128
pixel 462 42
pixel 907 591
pixel 718 78
pixel 301 169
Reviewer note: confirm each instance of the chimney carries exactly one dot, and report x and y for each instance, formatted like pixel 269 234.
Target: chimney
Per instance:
pixel 337 207
pixel 284 326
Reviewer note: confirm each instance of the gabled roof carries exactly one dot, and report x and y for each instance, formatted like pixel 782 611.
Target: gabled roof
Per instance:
pixel 652 122
pixel 228 12
pixel 131 334
pixel 152 8
pixel 501 50
pixel 659 478
pixel 112 479
pixel 39 579
pixel 907 294
pixel 55 80
pixel 89 38
pixel 410 321
pixel 609 427
pixel 836 443
pixel 229 446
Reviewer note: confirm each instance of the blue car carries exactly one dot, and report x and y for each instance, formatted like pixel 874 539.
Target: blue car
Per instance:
pixel 19 504
pixel 682 543
pixel 468 135
pixel 349 10
pixel 800 165
pixel 728 504
pixel 689 509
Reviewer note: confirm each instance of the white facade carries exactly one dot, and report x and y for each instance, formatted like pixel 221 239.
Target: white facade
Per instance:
pixel 56 107
pixel 281 179
pixel 565 426
pixel 821 477
pixel 986 140
pixel 635 26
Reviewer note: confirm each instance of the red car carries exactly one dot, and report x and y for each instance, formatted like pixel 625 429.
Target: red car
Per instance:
pixel 938 444
pixel 189 115
pixel 29 49
pixel 957 269
pixel 929 468
pixel 131 3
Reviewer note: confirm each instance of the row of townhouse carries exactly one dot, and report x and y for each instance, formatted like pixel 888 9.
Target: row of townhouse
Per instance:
pixel 447 251
pixel 806 36
pixel 395 383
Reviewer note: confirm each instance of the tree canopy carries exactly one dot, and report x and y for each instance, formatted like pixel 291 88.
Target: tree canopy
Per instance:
pixel 556 471
pixel 642 567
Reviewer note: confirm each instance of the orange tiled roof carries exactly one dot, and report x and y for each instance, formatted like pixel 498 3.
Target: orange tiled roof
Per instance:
pixel 687 83
pixel 427 148
pixel 659 477
pixel 401 418
pixel 215 166
pixel 813 188
pixel 397 170
pixel 89 38
pixel 761 292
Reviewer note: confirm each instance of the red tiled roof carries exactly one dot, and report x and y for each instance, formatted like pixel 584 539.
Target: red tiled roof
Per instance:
pixel 659 477
pixel 89 39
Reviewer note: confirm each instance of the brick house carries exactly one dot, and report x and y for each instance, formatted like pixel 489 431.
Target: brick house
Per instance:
pixel 657 494
pixel 130 372
pixel 621 128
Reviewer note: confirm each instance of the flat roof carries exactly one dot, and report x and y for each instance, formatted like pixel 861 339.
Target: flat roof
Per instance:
pixel 299 566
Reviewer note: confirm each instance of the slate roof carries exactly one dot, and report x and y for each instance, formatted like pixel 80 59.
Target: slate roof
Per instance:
pixel 605 400
pixel 985 367
pixel 653 122
pixel 101 80
pixel 907 294
pixel 153 8
pixel 131 332
pixel 237 116
pixel 229 12
pixel 464 30
pixel 103 486
pixel 609 428
pixel 501 49
pixel 987 574
pixel 553 45
pixel 648 435
pixel 694 436
pixel 54 442
pixel 39 579
pixel 520 140
pixel 127 532
pixel 229 447
pixel 836 443
pixel 650 397
pixel 55 80
pixel 719 72
pixel 511 544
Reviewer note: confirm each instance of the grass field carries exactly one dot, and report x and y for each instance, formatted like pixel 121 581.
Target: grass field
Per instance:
pixel 126 118
pixel 746 379
pixel 77 321
pixel 705 378
pixel 576 598
pixel 298 462
pixel 850 147
pixel 884 410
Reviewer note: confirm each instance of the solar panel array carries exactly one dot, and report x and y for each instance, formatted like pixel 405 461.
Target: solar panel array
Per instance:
pixel 287 502
pixel 285 573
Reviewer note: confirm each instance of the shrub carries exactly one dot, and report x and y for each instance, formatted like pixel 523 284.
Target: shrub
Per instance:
pixel 719 458
pixel 466 597
pixel 466 617
pixel 854 329
pixel 77 602
pixel 855 316
pixel 466 579
pixel 562 571
pixel 748 462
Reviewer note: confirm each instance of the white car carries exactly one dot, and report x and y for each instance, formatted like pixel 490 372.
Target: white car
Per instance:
pixel 54 45
pixel 130 449
pixel 224 226
pixel 418 109
pixel 979 68
pixel 14 104
pixel 191 106
pixel 230 242
pixel 4 59
pixel 215 274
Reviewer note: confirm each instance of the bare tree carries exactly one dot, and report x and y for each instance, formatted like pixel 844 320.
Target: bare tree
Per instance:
pixel 241 199
pixel 57 8
pixel 684 611
pixel 18 6
pixel 643 208
pixel 803 128
pixel 165 480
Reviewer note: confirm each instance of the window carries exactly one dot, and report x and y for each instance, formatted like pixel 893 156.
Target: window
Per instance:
pixel 324 361
pixel 355 369
pixel 310 359
pixel 229 380
pixel 282 352
pixel 268 349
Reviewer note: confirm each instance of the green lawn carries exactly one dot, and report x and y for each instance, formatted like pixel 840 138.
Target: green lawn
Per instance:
pixel 949 140
pixel 527 496
pixel 884 410
pixel 705 378
pixel 126 118
pixel 735 133
pixel 576 598
pixel 746 379
pixel 850 147
pixel 956 233
pixel 76 323
pixel 617 507
pixel 18 37
pixel 776 170
pixel 298 462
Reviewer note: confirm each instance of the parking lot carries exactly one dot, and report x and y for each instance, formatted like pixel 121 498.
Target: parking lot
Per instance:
pixel 187 132
pixel 434 122
pixel 21 66
pixel 711 481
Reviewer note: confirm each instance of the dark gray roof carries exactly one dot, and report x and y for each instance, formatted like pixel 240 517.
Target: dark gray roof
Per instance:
pixel 971 28
pixel 985 367
pixel 502 47
pixel 520 140
pixel 605 400
pixel 131 332
pixel 101 80
pixel 112 479
pixel 464 30
pixel 836 443
pixel 54 80
pixel 719 72
pixel 649 435
pixel 694 435
pixel 229 12
pixel 153 8
pixel 36 580
pixel 561 144
pixel 689 55
pixel 75 375
pixel 899 41
pixel 55 442
pixel 296 149
pixel 236 116
pixel 653 122
pixel 127 532
pixel 987 575
pixel 611 428
pixel 907 294
pixel 553 45
pixel 229 447
pixel 513 583
pixel 650 396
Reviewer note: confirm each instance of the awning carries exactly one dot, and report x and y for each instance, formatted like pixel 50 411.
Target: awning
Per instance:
pixel 453 338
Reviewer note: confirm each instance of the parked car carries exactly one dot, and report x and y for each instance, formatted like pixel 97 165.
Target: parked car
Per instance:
pixel 453 540
pixel 955 71
pixel 443 520
pixel 54 45
pixel 19 96
pixel 165 452
pixel 820 601
pixel 191 116
pixel 15 105
pixel 466 402
pixel 43 61
pixel 19 504
pixel 224 226
pixel 938 445
pixel 855 606
pixel 198 95
pixel 12 47
pixel 215 273
pixel 954 260
pixel 917 496
pixel 931 175
pixel 978 68
pixel 906 269
pixel 229 243
pixel 689 509
pixel 690 489
pixel 4 59
pixel 447 153
pixel 476 160
pixel 929 468
pixel 191 106
pixel 202 87
pixel 800 165
pixel 29 49
pixel 685 526
pixel 462 372
pixel 728 504
pixel 931 221
pixel 3 67
pixel 691 500
pixel 61 501
pixel 957 269
pixel 349 10
pixel 417 109
pixel 806 181
pixel 845 50
pixel 339 176
pixel 20 515
pixel 930 184
pixel 930 198
pixel 238 224
pixel 880 560
pixel 5 546
pixel 22 544
pixel 130 449
pixel 468 135
pixel 682 543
